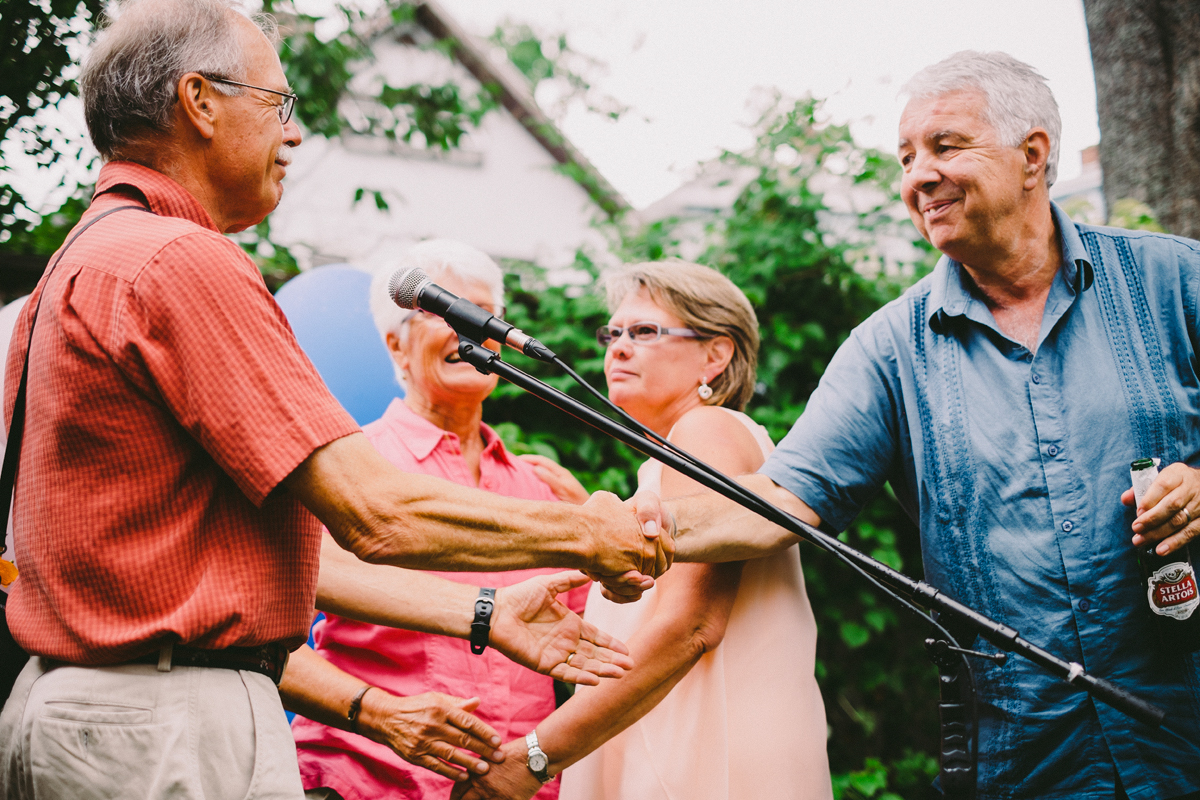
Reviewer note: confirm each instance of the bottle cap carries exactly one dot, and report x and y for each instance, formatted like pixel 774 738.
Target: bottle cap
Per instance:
pixel 1142 463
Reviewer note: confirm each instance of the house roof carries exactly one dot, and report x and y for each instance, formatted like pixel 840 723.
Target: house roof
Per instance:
pixel 511 91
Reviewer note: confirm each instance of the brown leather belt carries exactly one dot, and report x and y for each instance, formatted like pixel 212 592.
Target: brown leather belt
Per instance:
pixel 267 659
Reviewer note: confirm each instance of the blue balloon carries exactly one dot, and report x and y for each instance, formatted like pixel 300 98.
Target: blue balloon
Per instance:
pixel 329 309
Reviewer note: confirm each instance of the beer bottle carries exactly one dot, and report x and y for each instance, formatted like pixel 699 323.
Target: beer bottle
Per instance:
pixel 1170 580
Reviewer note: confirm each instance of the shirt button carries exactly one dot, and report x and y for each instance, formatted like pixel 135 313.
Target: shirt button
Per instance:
pixel 1052 450
pixel 1037 378
pixel 1084 605
pixel 1068 525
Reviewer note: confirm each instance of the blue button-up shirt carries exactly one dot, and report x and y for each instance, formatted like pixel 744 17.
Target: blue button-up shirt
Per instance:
pixel 1013 463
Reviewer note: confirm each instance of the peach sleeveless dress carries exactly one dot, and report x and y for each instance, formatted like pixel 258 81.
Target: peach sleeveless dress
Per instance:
pixel 746 722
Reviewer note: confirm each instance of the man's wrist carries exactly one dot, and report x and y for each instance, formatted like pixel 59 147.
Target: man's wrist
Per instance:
pixel 374 710
pixel 355 708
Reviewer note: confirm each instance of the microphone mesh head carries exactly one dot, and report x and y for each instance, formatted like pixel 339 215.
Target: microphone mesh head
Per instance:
pixel 404 286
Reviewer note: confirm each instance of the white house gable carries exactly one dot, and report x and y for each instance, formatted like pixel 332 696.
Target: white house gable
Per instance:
pixel 502 190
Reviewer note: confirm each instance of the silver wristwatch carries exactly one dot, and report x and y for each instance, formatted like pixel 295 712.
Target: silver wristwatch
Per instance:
pixel 537 760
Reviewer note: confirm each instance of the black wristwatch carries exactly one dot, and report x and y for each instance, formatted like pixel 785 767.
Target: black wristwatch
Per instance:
pixel 537 760
pixel 481 626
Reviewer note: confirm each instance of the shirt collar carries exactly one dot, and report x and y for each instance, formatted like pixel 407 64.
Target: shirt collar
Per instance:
pixel 950 294
pixel 422 437
pixel 164 196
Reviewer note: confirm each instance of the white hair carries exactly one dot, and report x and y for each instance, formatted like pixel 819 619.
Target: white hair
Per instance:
pixel 437 258
pixel 1018 99
pixel 130 77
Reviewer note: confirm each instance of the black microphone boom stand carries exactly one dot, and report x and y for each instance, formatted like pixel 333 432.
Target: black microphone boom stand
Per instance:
pixel 959 730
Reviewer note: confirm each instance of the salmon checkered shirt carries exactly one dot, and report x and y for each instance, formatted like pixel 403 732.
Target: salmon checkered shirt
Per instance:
pixel 167 399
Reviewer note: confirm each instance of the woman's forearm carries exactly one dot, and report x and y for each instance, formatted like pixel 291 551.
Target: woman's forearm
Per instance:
pixel 594 716
pixel 314 688
pixel 391 596
pixel 692 607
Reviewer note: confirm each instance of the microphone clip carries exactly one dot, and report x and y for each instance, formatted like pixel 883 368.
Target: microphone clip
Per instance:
pixel 475 354
pixel 939 650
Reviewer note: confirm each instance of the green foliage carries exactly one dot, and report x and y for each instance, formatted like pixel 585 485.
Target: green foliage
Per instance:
pixel 320 71
pixel 552 60
pixel 1134 215
pixel 439 115
pixel 910 774
pixel 807 291
pixel 274 261
pixel 528 52
pixel 48 233
pixel 40 37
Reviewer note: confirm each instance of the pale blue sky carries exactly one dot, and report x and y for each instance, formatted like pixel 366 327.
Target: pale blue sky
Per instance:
pixel 692 66
pixel 691 69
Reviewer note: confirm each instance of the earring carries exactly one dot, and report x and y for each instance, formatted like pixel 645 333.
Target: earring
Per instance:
pixel 704 390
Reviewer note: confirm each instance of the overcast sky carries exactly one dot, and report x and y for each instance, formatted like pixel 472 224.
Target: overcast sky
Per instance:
pixel 689 68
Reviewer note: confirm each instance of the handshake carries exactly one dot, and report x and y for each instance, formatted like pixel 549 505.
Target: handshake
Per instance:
pixel 632 543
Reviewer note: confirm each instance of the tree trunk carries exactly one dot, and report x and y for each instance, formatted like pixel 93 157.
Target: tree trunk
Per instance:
pixel 1146 56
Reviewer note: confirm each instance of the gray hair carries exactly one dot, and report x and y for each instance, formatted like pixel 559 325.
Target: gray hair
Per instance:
pixel 1018 99
pixel 130 77
pixel 437 258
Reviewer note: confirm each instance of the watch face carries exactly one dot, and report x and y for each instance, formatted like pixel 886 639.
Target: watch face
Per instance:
pixel 537 762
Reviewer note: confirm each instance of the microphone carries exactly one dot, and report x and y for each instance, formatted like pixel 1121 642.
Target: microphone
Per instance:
pixel 413 289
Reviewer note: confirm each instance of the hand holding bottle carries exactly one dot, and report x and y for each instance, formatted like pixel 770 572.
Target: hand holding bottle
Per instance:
pixel 1168 572
pixel 1169 511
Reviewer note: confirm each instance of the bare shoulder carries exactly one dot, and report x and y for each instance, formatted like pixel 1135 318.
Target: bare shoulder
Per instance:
pixel 719 438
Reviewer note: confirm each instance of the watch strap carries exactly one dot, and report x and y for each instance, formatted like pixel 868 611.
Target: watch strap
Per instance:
pixel 537 760
pixel 481 626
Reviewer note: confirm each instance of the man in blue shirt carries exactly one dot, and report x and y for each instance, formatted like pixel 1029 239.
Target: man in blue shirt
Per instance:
pixel 1004 397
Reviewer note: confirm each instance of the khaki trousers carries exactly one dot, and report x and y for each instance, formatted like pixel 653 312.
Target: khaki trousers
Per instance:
pixel 130 731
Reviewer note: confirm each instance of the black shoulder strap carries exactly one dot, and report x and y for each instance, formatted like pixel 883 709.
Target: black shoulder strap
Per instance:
pixel 12 453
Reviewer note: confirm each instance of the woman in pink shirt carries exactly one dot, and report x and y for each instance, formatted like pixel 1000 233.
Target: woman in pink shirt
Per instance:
pixel 437 429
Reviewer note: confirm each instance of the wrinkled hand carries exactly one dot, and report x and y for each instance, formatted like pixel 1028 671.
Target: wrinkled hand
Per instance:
pixel 428 729
pixel 566 487
pixel 1169 510
pixel 650 554
pixel 510 780
pixel 535 630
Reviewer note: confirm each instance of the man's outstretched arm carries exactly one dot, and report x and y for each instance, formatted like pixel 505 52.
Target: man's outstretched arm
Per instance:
pixel 530 626
pixel 713 529
pixel 386 516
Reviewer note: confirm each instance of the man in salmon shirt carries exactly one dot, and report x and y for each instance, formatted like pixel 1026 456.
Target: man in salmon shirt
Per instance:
pixel 179 450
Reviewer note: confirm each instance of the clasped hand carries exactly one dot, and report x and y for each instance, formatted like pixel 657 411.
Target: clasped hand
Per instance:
pixel 646 543
pixel 1169 509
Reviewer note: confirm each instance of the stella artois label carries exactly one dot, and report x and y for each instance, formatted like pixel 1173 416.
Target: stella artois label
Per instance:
pixel 1172 591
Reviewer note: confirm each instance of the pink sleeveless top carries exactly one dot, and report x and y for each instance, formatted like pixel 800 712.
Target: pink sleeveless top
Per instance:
pixel 746 722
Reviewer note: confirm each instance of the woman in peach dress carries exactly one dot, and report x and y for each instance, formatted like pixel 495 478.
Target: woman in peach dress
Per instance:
pixel 722 703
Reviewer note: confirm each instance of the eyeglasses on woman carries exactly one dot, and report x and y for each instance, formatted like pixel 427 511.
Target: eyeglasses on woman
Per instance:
pixel 641 332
